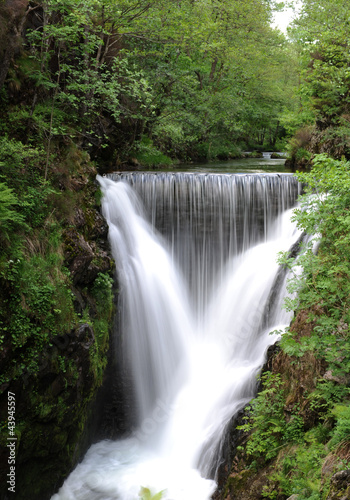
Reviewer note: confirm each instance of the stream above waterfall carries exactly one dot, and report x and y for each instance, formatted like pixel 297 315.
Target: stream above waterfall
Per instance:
pixel 266 164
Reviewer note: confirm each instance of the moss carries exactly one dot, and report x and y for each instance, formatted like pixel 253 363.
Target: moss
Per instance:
pixel 54 363
pixel 238 482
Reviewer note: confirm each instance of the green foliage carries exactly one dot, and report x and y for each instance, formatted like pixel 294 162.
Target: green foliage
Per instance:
pixel 149 156
pixel 341 433
pixel 321 280
pixel 302 154
pixel 35 300
pixel 102 291
pixel 299 471
pixel 298 455
pixel 38 303
pixel 103 295
pixel 266 421
pixel 8 213
pixel 108 74
pixel 217 148
pixel 22 167
pixel 323 283
pixel 321 38
pixel 145 494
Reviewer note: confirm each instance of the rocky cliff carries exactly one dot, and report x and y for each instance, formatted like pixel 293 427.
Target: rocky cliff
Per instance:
pixel 55 380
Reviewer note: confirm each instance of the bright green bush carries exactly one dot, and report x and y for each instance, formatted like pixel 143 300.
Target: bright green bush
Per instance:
pixel 8 213
pixel 299 471
pixel 266 421
pixel 149 156
pixel 323 286
pixel 341 432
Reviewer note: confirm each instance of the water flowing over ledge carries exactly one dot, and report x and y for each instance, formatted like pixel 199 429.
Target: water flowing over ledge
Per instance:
pixel 208 218
pixel 196 262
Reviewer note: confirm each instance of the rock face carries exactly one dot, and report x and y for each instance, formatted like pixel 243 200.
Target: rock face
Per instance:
pixel 340 486
pixel 54 401
pixel 84 260
pixel 49 414
pixel 12 19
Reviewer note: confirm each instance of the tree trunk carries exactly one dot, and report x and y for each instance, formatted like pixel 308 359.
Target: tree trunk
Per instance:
pixel 213 68
pixel 275 134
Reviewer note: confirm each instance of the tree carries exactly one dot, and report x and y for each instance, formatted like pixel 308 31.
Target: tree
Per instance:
pixel 322 33
pixel 212 77
pixel 190 76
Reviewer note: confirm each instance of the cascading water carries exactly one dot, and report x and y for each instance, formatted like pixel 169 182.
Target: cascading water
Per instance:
pixel 196 261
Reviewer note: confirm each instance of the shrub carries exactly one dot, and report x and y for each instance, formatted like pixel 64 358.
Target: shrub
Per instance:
pixel 267 423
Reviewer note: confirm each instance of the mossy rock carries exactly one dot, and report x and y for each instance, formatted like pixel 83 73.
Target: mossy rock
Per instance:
pixel 255 154
pixel 340 486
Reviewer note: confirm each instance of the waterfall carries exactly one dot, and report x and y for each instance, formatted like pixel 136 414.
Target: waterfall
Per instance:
pixel 196 262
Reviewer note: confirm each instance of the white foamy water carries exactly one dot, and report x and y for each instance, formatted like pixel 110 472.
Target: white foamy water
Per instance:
pixel 196 323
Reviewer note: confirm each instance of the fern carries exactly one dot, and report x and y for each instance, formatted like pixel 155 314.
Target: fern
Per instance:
pixel 8 200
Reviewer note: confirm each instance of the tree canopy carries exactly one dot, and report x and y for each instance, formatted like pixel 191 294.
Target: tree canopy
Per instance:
pixel 320 35
pixel 188 76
